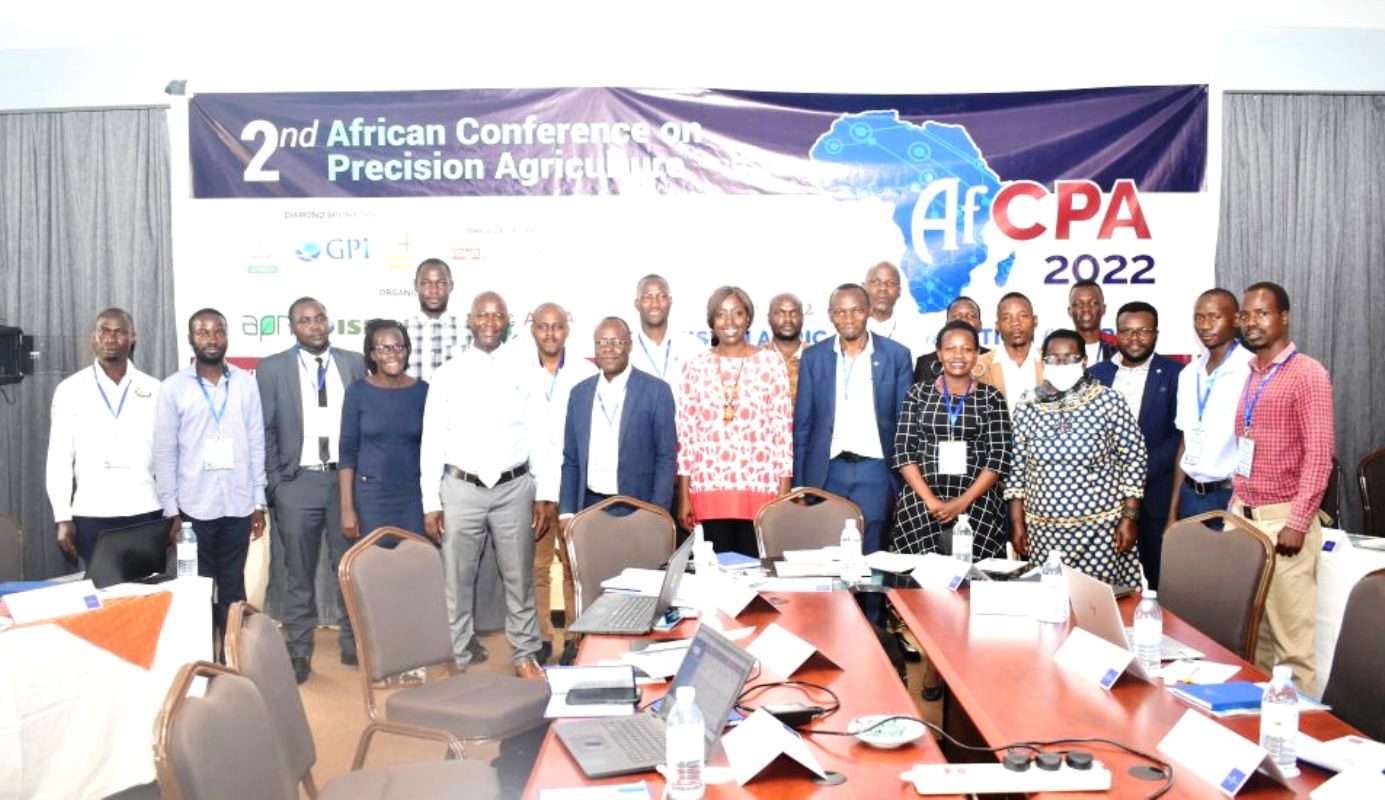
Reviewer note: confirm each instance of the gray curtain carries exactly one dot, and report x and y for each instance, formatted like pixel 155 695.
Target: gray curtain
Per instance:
pixel 84 225
pixel 1303 204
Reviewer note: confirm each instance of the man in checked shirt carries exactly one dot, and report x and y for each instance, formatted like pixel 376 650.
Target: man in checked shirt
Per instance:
pixel 1284 452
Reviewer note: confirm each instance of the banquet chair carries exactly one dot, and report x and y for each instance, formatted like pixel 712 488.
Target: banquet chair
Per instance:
pixel 396 599
pixel 11 549
pixel 601 542
pixel 1370 476
pixel 804 519
pixel 1217 580
pixel 1354 688
pixel 255 649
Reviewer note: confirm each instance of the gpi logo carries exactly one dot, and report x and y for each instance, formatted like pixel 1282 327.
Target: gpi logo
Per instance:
pixel 342 249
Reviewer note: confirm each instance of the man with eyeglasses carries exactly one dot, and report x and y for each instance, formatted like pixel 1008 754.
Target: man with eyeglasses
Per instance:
pixel 1014 367
pixel 657 350
pixel 301 393
pixel 1086 309
pixel 483 481
pixel 551 375
pixel 1149 384
pixel 1285 441
pixel 903 324
pixel 437 336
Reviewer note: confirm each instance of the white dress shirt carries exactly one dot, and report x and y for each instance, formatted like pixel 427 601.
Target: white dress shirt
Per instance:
pixel 102 437
pixel 319 421
pixel 1209 435
pixel 1130 382
pixel 663 360
pixel 482 417
pixel 552 390
pixel 603 449
pixel 853 427
pixel 1093 353
pixel 1020 379
pixel 905 327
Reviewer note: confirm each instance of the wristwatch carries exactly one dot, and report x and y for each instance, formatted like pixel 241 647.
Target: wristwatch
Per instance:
pixel 1129 513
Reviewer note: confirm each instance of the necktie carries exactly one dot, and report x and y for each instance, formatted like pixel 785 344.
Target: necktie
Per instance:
pixel 324 447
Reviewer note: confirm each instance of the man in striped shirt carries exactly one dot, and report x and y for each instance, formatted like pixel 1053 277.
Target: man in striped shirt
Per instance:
pixel 437 336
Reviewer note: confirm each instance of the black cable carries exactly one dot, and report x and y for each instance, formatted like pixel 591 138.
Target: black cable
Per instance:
pixel 802 686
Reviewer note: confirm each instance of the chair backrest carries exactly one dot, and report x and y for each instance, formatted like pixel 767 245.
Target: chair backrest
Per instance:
pixel 1331 504
pixel 214 746
pixel 804 519
pixel 11 549
pixel 1355 688
pixel 616 533
pixel 1370 475
pixel 1216 580
pixel 256 649
pixel 397 602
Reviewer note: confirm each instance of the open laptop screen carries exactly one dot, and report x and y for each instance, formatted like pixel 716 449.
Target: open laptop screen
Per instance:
pixel 717 668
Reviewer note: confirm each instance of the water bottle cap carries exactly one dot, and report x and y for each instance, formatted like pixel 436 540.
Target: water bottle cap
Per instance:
pixel 964 518
pixel 1055 555
pixel 850 523
pixel 1283 672
pixel 1151 594
pixel 685 694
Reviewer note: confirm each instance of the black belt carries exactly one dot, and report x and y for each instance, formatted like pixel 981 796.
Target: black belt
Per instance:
pixel 853 458
pixel 330 466
pixel 505 477
pixel 1207 488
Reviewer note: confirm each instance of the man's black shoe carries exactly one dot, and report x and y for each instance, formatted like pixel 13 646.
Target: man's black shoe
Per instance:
pixel 301 669
pixel 911 653
pixel 545 653
pixel 478 651
pixel 569 652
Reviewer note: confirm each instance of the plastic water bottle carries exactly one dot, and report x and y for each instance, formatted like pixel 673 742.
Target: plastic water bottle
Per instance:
pixel 704 556
pixel 685 745
pixel 187 552
pixel 1055 589
pixel 1149 631
pixel 853 562
pixel 1279 720
pixel 961 538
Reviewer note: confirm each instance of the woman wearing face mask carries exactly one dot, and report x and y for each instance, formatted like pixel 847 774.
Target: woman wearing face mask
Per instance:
pixel 1079 469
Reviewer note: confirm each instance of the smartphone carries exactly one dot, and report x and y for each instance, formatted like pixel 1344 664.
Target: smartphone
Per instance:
pixel 595 694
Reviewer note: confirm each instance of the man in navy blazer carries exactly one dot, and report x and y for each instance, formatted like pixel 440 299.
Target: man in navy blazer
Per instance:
pixel 850 389
pixel 1149 383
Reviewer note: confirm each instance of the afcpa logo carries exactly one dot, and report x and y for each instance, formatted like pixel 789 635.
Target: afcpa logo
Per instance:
pixel 334 249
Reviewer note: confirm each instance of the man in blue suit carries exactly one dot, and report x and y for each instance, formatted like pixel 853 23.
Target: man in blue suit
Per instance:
pixel 850 389
pixel 1149 383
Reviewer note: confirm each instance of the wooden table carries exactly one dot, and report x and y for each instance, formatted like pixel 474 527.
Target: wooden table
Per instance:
pixel 1003 686
pixel 833 623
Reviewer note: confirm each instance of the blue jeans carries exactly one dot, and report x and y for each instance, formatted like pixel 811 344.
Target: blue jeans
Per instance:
pixel 1190 503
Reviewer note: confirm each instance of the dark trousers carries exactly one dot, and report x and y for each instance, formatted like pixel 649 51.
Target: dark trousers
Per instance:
pixel 221 547
pixel 1150 530
pixel 731 535
pixel 305 509
pixel 1190 503
pixel 868 484
pixel 89 529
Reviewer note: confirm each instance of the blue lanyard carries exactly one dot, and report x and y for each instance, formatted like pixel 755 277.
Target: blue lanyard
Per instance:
pixel 553 384
pixel 1250 407
pixel 668 349
pixel 846 370
pixel 322 378
pixel 954 412
pixel 225 381
pixel 115 412
pixel 611 416
pixel 1203 397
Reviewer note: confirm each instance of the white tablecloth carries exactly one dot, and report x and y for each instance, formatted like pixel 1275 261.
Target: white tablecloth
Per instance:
pixel 77 721
pixel 1339 568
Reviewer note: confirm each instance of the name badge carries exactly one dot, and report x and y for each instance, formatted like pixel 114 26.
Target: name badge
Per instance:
pixel 1193 443
pixel 217 453
pixel 1245 455
pixel 952 458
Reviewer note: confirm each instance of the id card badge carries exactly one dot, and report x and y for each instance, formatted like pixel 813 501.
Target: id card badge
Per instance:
pixel 217 453
pixel 952 458
pixel 1245 455
pixel 1192 449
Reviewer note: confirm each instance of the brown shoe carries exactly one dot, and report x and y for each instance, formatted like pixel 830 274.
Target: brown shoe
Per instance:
pixel 529 668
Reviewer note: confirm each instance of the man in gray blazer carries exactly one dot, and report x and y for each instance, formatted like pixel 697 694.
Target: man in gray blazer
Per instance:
pixel 301 392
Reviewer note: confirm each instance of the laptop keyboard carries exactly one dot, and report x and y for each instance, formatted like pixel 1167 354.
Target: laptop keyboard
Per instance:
pixel 633 614
pixel 641 743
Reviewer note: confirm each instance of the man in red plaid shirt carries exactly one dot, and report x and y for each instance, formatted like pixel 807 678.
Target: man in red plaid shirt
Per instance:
pixel 1284 458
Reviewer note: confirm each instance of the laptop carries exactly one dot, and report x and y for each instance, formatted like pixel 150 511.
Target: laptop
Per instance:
pixel 714 665
pixel 614 612
pixel 1094 608
pixel 132 553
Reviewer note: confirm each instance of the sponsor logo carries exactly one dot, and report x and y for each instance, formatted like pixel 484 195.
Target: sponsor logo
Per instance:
pixel 341 249
pixel 269 325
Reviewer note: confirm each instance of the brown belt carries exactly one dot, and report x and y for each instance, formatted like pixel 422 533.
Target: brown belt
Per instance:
pixel 505 477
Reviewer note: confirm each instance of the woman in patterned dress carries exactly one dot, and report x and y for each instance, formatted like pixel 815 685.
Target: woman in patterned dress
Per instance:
pixel 1079 469
pixel 735 445
pixel 952 448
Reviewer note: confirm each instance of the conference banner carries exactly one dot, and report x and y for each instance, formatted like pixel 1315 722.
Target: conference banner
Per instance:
pixel 571 195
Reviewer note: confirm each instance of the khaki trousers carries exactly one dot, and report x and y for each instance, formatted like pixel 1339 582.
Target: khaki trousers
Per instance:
pixel 1286 629
pixel 544 551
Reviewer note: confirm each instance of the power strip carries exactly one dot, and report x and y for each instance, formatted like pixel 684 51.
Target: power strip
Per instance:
pixel 997 779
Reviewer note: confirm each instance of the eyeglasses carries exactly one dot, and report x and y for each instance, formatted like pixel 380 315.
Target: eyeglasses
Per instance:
pixel 611 344
pixel 1143 333
pixel 847 313
pixel 1062 361
pixel 389 349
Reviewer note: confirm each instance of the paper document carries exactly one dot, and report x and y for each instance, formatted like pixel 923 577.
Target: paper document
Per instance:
pixel 1010 598
pixel 561 679
pixel 893 562
pixel 829 553
pixel 1001 566
pixel 619 791
pixel 1197 671
pixel 794 585
pixel 807 569
pixel 657 663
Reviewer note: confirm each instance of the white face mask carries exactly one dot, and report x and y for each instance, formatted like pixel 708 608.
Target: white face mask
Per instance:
pixel 1063 376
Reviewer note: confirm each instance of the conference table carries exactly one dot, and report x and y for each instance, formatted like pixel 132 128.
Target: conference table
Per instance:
pixel 833 623
pixel 1003 686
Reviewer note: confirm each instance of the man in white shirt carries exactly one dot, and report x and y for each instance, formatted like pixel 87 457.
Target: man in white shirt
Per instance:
pixel 436 335
pixel 1086 308
pixel 903 324
pixel 482 426
pixel 657 350
pixel 552 375
pixel 1013 368
pixel 1209 388
pixel 101 443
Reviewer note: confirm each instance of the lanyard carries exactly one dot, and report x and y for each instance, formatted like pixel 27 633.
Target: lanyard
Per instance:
pixel 846 369
pixel 611 416
pixel 954 412
pixel 668 349
pixel 553 384
pixel 1250 407
pixel 322 374
pixel 225 381
pixel 115 412
pixel 1203 397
